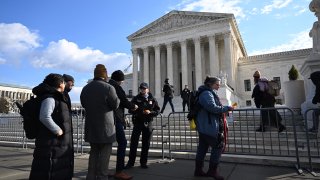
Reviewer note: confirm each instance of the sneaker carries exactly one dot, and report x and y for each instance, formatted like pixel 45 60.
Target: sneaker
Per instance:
pixel 144 166
pixel 122 176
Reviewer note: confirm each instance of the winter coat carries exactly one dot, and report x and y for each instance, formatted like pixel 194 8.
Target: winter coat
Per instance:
pixel 315 78
pixel 168 90
pixel 262 99
pixel 185 94
pixel 149 103
pixel 53 156
pixel 208 118
pixel 124 103
pixel 99 100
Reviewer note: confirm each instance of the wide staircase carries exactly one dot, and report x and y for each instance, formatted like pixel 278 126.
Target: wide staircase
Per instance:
pixel 172 138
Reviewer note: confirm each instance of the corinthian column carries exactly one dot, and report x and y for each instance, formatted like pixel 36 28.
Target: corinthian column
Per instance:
pixel 213 60
pixel 197 60
pixel 157 71
pixel 146 65
pixel 184 65
pixel 169 62
pixel 135 71
pixel 227 60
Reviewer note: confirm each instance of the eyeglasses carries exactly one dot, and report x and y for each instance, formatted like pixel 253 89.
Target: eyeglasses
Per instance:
pixel 142 88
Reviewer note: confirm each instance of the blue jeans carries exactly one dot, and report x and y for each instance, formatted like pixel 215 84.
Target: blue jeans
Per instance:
pixel 122 144
pixel 205 142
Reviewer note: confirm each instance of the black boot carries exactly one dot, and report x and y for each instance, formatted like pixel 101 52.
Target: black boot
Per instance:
pixel 281 128
pixel 213 171
pixel 198 170
pixel 261 129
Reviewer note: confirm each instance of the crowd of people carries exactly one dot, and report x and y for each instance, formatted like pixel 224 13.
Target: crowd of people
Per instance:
pixel 105 103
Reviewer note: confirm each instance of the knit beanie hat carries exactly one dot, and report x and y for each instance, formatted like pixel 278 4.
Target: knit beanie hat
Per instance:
pixel 67 78
pixel 117 75
pixel 100 71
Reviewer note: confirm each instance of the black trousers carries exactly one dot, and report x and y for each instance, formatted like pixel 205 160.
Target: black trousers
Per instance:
pixel 146 130
pixel 184 103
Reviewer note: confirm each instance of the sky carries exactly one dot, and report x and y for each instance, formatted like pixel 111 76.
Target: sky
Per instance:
pixel 38 37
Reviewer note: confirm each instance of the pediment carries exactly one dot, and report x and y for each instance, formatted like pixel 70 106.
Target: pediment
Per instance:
pixel 177 19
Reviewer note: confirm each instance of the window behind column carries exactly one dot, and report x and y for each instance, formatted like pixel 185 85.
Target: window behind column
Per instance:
pixel 247 85
pixel 278 81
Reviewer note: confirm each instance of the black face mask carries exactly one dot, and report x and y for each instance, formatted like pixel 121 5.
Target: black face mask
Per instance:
pixel 67 89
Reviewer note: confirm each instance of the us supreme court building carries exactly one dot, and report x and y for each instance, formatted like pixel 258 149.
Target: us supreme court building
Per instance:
pixel 187 46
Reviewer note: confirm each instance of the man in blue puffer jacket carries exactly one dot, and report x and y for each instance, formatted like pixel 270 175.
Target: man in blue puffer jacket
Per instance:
pixel 210 127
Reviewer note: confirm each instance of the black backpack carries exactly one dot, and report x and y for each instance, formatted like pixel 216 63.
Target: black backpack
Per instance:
pixel 194 105
pixel 30 113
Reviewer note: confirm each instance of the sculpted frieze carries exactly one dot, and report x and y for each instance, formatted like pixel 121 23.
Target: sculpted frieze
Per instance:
pixel 176 21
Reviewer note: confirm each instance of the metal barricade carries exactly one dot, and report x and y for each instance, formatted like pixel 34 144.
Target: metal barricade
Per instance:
pixel 242 138
pixel 11 130
pixel 312 137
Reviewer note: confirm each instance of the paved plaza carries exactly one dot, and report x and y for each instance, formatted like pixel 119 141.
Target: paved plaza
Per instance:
pixel 16 162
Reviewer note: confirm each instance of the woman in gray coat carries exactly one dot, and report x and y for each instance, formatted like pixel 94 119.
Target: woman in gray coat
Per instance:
pixel 99 100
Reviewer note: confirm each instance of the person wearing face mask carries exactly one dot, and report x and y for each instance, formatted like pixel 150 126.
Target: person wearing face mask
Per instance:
pixel 117 78
pixel 142 117
pixel 211 127
pixel 69 81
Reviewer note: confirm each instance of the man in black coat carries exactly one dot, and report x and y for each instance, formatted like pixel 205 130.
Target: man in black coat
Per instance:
pixel 117 77
pixel 142 118
pixel 185 95
pixel 168 95
pixel 69 81
pixel 315 78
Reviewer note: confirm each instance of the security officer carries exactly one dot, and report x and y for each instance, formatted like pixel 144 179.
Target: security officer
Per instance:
pixel 142 123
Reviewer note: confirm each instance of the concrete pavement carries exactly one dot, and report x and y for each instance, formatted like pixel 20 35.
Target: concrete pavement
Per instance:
pixel 15 165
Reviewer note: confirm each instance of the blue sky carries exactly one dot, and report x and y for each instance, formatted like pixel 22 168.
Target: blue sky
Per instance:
pixel 38 37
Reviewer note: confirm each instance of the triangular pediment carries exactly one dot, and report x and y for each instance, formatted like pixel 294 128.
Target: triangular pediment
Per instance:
pixel 176 20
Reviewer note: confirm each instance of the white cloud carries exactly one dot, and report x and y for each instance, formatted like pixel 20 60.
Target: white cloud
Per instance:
pixel 67 55
pixel 300 41
pixel 300 11
pixel 16 42
pixel 217 6
pixel 254 11
pixel 276 4
pixel 2 61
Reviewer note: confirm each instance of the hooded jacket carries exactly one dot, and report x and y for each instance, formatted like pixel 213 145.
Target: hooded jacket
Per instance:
pixel 53 156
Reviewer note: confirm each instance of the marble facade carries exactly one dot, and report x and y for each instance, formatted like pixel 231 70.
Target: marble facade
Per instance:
pixel 186 46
